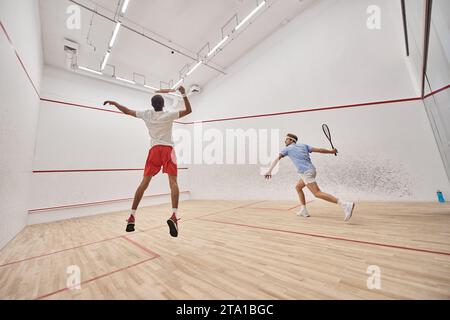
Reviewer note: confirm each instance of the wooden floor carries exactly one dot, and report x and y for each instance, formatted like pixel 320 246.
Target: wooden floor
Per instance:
pixel 237 250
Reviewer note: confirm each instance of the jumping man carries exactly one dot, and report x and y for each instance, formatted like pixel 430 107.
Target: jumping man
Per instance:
pixel 161 154
pixel 299 154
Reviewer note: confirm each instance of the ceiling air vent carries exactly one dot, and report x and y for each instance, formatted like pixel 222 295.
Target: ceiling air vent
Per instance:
pixel 71 50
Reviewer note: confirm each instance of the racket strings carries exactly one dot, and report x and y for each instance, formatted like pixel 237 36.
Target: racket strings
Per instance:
pixel 326 131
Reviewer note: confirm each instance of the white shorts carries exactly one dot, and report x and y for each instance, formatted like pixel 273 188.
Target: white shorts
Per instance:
pixel 309 176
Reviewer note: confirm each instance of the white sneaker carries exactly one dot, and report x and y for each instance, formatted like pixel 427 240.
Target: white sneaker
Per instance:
pixel 303 213
pixel 348 209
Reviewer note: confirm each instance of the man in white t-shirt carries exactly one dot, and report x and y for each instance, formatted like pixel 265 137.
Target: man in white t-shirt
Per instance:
pixel 161 154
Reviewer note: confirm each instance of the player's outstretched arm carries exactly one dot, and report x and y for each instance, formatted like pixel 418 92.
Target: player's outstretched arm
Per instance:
pixel 320 150
pixel 268 175
pixel 187 104
pixel 121 108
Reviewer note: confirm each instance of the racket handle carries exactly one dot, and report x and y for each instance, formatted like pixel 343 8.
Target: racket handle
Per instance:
pixel 333 148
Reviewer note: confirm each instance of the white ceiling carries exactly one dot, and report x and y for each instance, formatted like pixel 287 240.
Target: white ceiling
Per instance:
pixel 184 25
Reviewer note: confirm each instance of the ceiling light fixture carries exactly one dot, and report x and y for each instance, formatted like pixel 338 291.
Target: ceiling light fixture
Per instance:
pixel 195 67
pixel 125 80
pixel 105 60
pixel 250 15
pixel 116 31
pixel 90 70
pixel 150 87
pixel 177 84
pixel 218 45
pixel 125 6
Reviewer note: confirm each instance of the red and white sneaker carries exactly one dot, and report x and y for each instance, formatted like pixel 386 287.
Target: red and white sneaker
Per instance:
pixel 130 224
pixel 173 225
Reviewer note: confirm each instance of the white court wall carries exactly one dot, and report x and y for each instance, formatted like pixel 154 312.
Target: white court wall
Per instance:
pixel 328 57
pixel 438 78
pixel 19 107
pixel 382 156
pixel 438 67
pixel 415 17
pixel 76 138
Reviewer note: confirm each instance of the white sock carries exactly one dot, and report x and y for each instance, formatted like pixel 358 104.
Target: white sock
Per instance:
pixel 340 202
pixel 174 210
pixel 302 207
pixel 133 212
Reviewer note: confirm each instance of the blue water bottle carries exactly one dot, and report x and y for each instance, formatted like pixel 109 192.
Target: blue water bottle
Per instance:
pixel 440 196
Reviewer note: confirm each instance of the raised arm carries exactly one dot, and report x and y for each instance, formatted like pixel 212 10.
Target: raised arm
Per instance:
pixel 268 175
pixel 320 150
pixel 121 108
pixel 187 104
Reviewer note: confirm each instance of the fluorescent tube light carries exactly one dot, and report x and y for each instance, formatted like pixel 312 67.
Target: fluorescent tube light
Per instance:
pixel 250 15
pixel 125 80
pixel 125 6
pixel 150 87
pixel 218 45
pixel 116 31
pixel 90 70
pixel 177 84
pixel 105 60
pixel 195 67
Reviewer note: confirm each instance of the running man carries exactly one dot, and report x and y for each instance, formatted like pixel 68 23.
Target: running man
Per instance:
pixel 299 154
pixel 161 154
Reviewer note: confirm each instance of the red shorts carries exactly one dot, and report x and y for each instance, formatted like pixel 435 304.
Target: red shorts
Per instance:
pixel 161 156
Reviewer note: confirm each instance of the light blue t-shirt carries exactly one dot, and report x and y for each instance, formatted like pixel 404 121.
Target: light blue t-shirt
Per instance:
pixel 299 154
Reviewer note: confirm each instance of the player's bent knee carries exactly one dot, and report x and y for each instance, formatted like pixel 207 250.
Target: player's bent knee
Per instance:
pixel 319 195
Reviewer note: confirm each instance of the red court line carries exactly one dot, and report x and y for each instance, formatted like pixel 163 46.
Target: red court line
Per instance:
pixel 80 246
pixel 276 113
pixel 84 170
pixel 307 110
pixel 436 91
pixel 87 107
pixel 34 211
pixel 81 106
pixel 298 205
pixel 150 252
pixel 91 170
pixel 95 278
pixel 29 77
pixel 331 237
pixel 272 114
pixel 59 251
pixel 222 119
pixel 183 220
pixel 116 237
pixel 275 209
pixel 18 58
pixel 6 34
pixel 84 245
pixel 258 115
pixel 240 207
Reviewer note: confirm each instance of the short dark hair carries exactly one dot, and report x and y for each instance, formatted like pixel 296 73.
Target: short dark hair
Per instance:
pixel 158 102
pixel 292 136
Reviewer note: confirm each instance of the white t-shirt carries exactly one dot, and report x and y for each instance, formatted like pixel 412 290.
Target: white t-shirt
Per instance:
pixel 159 124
